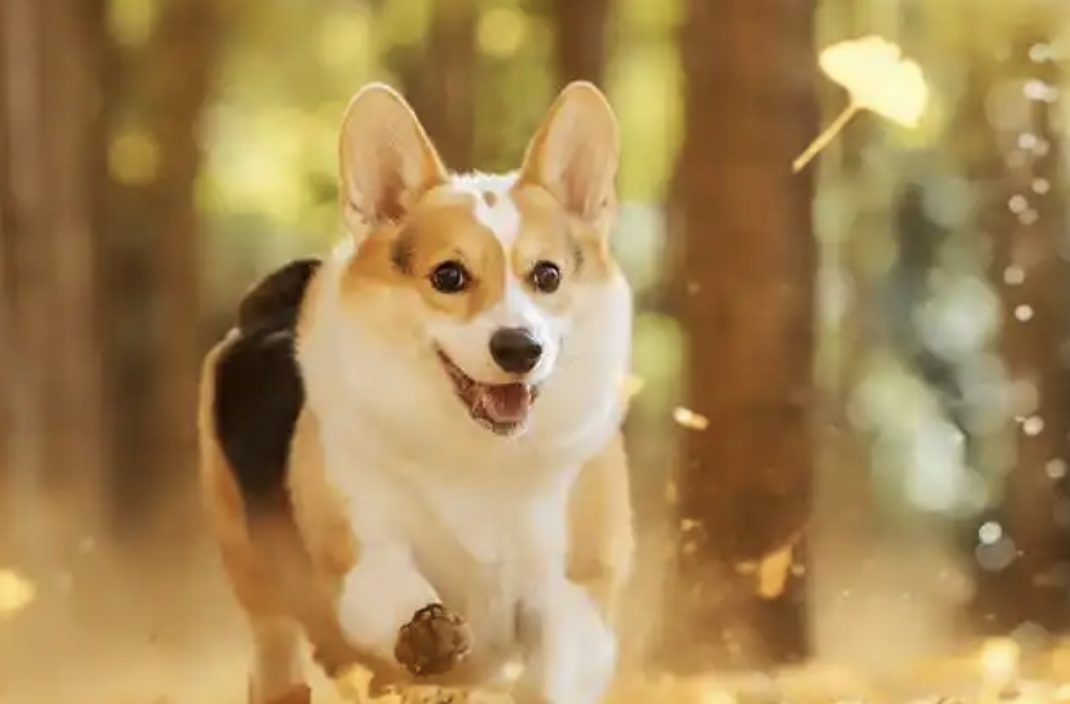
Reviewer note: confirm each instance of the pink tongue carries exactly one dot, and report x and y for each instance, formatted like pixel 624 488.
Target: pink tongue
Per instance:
pixel 506 403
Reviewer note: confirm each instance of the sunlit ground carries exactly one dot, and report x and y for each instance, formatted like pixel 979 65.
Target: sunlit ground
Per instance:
pixel 146 631
pixel 156 628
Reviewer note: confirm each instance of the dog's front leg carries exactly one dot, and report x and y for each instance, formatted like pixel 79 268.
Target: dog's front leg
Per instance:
pixel 570 651
pixel 388 610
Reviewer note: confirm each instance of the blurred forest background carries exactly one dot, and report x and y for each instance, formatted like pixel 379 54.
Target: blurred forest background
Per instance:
pixel 852 437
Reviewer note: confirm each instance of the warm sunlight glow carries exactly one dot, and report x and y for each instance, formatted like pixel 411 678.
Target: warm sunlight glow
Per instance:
pixel 999 662
pixel 500 32
pixel 717 696
pixel 16 593
pixel 877 78
pixel 133 158
pixel 352 683
pixel 512 670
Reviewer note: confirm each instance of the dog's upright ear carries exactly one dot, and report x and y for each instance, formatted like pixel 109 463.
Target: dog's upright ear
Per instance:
pixel 574 153
pixel 385 157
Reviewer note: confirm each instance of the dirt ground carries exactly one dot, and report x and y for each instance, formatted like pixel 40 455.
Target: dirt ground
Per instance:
pixel 162 629
pixel 104 631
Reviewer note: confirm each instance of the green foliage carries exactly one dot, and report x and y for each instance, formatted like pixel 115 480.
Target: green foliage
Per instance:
pixel 646 92
pixel 131 21
pixel 271 129
pixel 514 82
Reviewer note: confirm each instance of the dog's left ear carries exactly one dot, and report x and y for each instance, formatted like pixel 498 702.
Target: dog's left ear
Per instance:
pixel 574 154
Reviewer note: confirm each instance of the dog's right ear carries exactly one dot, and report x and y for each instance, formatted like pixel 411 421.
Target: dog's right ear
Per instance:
pixel 385 158
pixel 574 153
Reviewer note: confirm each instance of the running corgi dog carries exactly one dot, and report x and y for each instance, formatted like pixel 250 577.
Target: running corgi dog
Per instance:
pixel 410 450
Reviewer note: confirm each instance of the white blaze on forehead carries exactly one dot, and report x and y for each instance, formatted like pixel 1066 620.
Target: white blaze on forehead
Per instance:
pixel 468 343
pixel 493 207
pixel 493 204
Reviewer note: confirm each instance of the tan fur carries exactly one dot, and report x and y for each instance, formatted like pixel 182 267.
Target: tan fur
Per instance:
pixel 267 562
pixel 439 229
pixel 602 539
pixel 327 538
pixel 551 234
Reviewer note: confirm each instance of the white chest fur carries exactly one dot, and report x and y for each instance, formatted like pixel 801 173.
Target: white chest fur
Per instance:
pixel 486 537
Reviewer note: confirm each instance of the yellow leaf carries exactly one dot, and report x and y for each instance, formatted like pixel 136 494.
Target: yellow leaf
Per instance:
pixel 689 419
pixel 877 78
pixel 16 592
pixel 773 572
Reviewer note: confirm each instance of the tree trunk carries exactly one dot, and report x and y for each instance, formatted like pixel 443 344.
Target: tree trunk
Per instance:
pixel 581 29
pixel 186 51
pixel 438 78
pixel 156 242
pixel 746 291
pixel 56 449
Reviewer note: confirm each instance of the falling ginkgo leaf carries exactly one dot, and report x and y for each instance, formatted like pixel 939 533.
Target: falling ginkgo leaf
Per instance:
pixel 16 592
pixel 773 572
pixel 689 419
pixel 877 78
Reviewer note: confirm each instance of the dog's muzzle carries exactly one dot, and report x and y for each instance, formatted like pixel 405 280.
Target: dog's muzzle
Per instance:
pixel 502 408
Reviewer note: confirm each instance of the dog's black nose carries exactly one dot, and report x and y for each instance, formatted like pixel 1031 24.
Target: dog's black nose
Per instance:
pixel 515 350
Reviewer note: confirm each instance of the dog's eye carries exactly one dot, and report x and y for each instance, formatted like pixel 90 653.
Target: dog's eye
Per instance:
pixel 545 277
pixel 450 277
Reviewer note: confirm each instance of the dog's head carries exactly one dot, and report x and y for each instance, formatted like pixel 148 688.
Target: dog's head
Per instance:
pixel 494 294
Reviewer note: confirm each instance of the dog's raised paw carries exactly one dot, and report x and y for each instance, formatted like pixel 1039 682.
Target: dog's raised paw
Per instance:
pixel 433 642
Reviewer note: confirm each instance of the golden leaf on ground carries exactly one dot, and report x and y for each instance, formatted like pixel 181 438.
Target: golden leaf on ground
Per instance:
pixel 689 419
pixel 16 592
pixel 877 78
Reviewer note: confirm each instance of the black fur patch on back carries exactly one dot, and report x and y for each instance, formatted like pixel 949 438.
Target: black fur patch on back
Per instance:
pixel 258 388
pixel 275 302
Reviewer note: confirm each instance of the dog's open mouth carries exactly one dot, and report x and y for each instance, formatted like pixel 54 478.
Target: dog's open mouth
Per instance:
pixel 503 408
